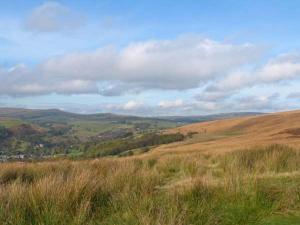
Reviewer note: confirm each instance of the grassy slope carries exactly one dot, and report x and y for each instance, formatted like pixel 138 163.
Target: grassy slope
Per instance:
pixel 232 134
pixel 254 186
pixel 237 188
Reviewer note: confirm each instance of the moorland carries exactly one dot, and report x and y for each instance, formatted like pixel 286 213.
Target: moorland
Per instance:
pixel 234 171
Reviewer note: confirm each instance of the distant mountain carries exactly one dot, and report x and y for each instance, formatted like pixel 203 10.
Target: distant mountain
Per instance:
pixel 196 119
pixel 58 116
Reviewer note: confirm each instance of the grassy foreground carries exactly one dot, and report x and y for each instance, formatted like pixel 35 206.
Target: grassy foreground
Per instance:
pixel 255 186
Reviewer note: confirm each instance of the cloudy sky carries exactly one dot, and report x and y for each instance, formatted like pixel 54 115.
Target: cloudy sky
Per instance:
pixel 150 57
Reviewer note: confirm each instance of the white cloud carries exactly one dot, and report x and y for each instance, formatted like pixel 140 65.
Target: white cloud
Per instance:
pixel 182 63
pixel 171 104
pixel 179 64
pixel 52 17
pixel 282 68
pixel 131 105
pixel 21 81
pixel 257 103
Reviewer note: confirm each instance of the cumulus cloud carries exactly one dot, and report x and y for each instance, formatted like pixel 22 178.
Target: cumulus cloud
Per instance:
pixel 52 17
pixel 246 103
pixel 21 81
pixel 282 68
pixel 179 64
pixel 131 105
pixel 258 103
pixel 183 63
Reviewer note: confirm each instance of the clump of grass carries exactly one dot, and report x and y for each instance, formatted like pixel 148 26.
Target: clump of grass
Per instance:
pixel 274 158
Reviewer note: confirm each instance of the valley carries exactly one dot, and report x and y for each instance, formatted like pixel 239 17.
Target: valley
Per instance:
pixel 129 170
pixel 42 134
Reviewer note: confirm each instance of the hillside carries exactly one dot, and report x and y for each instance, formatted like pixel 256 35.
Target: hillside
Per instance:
pixel 35 133
pixel 257 186
pixel 56 115
pixel 254 185
pixel 210 117
pixel 238 133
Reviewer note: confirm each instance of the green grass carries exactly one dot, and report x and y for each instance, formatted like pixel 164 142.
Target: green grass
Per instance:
pixel 282 220
pixel 92 128
pixel 10 123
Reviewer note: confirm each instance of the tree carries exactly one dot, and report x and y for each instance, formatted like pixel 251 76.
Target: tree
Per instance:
pixel 4 133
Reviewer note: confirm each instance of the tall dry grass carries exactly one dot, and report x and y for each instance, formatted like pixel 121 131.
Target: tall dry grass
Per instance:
pixel 243 187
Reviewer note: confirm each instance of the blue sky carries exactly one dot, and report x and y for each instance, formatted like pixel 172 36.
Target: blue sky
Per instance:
pixel 150 57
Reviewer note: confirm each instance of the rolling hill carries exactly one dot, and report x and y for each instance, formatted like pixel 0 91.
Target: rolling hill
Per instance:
pixel 238 133
pixel 37 133
pixel 186 181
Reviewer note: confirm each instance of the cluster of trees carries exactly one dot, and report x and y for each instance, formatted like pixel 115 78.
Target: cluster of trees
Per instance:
pixel 118 146
pixel 27 140
pixel 4 132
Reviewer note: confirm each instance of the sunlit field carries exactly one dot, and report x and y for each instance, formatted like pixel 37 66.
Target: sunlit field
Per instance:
pixel 254 186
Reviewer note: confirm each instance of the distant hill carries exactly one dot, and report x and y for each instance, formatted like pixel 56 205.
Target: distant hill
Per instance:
pixel 50 132
pixel 195 119
pixel 56 115
pixel 35 132
pixel 239 133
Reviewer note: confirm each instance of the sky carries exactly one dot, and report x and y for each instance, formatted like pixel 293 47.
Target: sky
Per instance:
pixel 150 58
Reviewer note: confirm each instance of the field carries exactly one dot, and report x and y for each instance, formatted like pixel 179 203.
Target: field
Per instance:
pixel 254 186
pixel 242 171
pixel 10 122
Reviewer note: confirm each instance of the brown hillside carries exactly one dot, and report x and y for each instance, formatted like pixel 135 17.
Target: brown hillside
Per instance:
pixel 232 134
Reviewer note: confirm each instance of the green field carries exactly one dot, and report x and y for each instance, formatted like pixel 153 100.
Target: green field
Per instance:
pixel 53 132
pixel 10 122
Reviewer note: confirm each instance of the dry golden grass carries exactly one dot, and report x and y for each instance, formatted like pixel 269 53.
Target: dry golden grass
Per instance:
pixel 235 188
pixel 239 133
pixel 196 188
pixel 253 186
